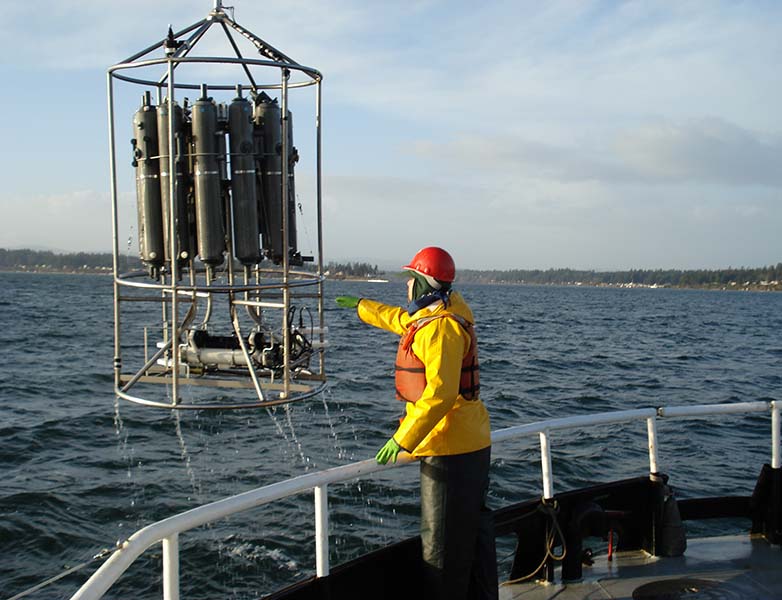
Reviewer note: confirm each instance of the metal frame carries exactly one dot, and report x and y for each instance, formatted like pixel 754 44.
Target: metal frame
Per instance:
pixel 168 530
pixel 170 290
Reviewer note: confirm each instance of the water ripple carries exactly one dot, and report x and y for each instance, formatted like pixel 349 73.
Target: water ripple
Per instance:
pixel 80 475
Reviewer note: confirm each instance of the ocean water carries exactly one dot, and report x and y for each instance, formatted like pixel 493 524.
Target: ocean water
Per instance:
pixel 81 470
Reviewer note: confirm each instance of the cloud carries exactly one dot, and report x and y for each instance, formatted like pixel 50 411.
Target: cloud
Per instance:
pixel 538 64
pixel 705 150
pixel 89 34
pixel 548 132
pixel 701 151
pixel 562 63
pixel 74 221
pixel 542 224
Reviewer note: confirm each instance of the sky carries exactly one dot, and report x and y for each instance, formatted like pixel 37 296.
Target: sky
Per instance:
pixel 586 134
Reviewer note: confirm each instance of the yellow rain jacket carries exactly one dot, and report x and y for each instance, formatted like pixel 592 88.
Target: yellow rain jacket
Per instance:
pixel 441 422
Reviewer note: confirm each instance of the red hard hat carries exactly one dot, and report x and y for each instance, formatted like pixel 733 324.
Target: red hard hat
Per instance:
pixel 433 262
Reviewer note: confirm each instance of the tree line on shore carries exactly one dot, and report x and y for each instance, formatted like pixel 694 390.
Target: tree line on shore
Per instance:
pixel 770 276
pixel 352 269
pixel 743 277
pixel 46 260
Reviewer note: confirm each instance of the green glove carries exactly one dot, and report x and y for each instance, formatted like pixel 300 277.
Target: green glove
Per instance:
pixel 347 301
pixel 388 452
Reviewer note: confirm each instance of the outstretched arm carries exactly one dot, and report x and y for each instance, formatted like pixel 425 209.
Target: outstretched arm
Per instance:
pixel 391 318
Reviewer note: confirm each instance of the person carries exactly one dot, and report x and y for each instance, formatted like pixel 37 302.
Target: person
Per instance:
pixel 446 425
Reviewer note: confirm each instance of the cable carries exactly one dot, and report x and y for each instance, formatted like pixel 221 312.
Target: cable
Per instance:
pixel 304 224
pixel 549 509
pixel 103 553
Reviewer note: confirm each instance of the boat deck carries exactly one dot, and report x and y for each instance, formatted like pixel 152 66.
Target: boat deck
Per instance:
pixel 726 567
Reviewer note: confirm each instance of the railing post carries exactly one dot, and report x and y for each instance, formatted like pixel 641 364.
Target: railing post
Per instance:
pixel 776 459
pixel 545 464
pixel 321 530
pixel 651 429
pixel 171 567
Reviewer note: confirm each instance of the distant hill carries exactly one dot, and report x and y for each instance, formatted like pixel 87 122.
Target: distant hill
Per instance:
pixel 760 278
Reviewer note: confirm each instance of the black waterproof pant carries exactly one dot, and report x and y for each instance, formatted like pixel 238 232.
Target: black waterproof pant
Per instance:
pixel 457 530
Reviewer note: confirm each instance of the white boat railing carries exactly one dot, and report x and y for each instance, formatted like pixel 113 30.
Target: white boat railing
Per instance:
pixel 167 531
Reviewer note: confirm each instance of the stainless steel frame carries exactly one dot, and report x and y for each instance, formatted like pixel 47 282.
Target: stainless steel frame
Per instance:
pixel 170 294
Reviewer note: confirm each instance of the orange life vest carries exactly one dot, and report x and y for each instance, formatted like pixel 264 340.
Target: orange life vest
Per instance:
pixel 410 372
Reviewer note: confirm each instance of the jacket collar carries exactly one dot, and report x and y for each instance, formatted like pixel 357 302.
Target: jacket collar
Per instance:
pixel 428 299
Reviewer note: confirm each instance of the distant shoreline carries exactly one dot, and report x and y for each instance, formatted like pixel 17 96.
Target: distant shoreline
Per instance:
pixel 762 278
pixel 50 271
pixel 751 287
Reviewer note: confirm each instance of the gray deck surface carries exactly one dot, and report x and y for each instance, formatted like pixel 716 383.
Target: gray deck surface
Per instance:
pixel 728 567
